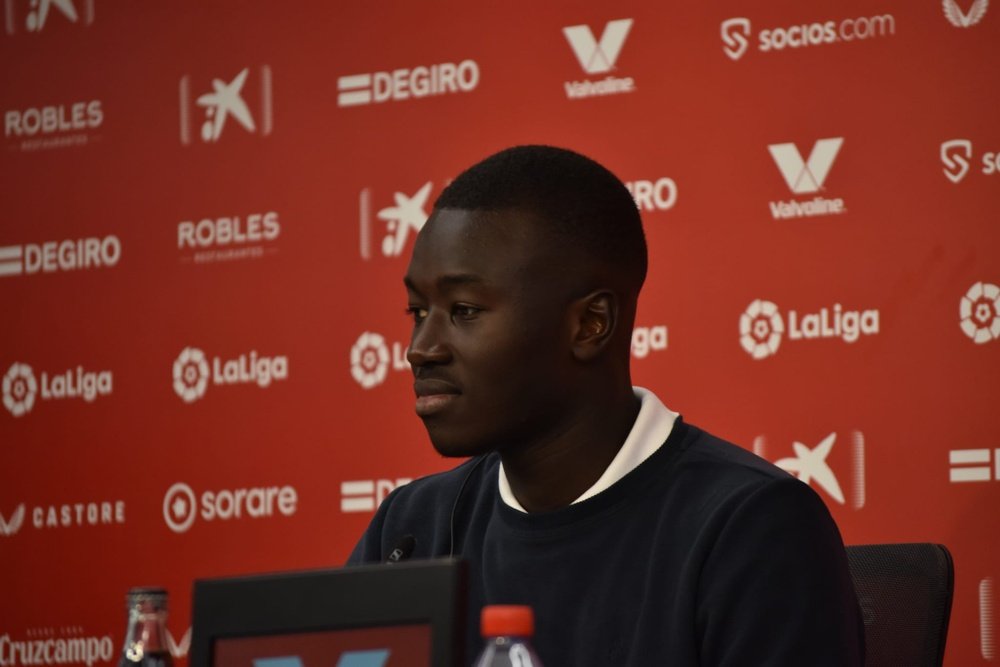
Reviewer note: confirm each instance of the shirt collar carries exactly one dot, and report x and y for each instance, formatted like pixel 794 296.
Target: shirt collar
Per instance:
pixel 650 430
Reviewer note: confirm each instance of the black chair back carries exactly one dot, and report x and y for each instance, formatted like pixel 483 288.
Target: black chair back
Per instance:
pixel 904 591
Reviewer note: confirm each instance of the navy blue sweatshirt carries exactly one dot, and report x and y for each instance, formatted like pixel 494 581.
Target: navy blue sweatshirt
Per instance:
pixel 702 555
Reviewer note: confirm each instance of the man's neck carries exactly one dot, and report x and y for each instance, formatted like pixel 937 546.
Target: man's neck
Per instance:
pixel 552 473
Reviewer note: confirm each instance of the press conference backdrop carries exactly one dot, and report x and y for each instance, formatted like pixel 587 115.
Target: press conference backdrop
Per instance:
pixel 208 206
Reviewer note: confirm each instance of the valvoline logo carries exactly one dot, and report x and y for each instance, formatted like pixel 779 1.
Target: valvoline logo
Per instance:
pixel 368 658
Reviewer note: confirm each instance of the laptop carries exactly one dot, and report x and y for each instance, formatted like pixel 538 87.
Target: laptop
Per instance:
pixel 408 614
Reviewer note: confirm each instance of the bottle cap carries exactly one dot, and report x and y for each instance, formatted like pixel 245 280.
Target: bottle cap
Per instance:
pixel 515 620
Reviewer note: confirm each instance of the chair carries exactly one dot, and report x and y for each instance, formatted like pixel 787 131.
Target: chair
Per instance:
pixel 904 591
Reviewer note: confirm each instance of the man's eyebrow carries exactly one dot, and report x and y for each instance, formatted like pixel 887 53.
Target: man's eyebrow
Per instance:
pixel 449 280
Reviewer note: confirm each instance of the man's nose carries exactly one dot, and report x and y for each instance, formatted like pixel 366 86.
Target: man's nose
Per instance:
pixel 429 344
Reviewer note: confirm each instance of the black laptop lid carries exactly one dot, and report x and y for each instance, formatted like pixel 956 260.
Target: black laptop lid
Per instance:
pixel 409 614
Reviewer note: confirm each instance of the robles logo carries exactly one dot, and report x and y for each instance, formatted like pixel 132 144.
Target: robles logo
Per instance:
pixel 192 374
pixel 371 359
pixel 39 128
pixel 228 238
pixel 181 506
pixel 736 33
pixel 20 388
pixel 979 312
pixel 762 327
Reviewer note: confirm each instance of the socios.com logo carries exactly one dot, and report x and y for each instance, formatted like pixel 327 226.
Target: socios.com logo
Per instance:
pixel 19 389
pixel 369 360
pixel 190 374
pixel 979 311
pixel 761 328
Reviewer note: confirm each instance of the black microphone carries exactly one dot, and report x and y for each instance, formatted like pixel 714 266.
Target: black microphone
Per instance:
pixel 404 549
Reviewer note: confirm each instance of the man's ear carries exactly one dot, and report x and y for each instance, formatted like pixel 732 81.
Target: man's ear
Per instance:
pixel 595 317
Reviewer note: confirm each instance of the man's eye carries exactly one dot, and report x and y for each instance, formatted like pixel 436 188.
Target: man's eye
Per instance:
pixel 465 312
pixel 417 313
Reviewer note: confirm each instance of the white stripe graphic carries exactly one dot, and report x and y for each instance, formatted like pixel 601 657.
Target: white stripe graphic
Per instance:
pixel 858 492
pixel 365 222
pixel 957 456
pixel 354 89
pixel 357 505
pixel 11 269
pixel 362 488
pixel 185 97
pixel 266 111
pixel 354 99
pixel 11 252
pixel 760 446
pixel 9 11
pixel 353 81
pixel 977 474
pixel 986 639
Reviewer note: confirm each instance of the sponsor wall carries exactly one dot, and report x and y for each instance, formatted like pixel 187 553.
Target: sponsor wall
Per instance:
pixel 208 208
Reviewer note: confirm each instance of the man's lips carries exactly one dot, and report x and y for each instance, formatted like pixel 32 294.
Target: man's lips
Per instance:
pixel 434 396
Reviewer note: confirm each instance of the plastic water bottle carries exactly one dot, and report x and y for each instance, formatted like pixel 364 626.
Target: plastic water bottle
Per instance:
pixel 507 631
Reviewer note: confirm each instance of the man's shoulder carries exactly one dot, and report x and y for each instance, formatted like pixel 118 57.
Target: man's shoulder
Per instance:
pixel 434 489
pixel 714 455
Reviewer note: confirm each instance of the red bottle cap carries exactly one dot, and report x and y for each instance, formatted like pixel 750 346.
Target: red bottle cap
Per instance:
pixel 515 620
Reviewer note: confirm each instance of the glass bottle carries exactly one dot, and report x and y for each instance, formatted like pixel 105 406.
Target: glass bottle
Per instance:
pixel 146 638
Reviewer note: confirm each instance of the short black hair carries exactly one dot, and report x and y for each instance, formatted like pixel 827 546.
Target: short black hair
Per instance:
pixel 582 202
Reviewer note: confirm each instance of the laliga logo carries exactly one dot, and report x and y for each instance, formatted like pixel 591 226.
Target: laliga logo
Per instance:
pixel 370 359
pixel 734 37
pixel 224 102
pixel 979 311
pixel 959 19
pixel 761 326
pixel 19 388
pixel 191 373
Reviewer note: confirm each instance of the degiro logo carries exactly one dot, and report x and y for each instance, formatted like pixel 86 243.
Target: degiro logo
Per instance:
pixel 181 506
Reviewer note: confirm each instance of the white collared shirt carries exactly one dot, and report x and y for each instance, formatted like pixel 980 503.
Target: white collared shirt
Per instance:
pixel 650 430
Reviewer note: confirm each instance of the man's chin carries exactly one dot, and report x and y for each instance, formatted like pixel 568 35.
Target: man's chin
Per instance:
pixel 451 446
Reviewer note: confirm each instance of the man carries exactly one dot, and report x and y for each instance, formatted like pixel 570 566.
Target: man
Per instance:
pixel 637 538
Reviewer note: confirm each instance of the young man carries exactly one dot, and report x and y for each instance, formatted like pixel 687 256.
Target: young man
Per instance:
pixel 637 538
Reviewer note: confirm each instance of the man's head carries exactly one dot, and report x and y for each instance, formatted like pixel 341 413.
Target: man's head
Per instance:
pixel 523 286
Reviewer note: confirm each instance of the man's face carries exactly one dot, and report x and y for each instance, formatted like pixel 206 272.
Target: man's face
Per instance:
pixel 490 347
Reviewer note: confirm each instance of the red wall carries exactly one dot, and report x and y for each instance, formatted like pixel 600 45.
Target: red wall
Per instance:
pixel 267 238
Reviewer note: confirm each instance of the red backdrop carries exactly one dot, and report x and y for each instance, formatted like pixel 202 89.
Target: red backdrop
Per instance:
pixel 207 209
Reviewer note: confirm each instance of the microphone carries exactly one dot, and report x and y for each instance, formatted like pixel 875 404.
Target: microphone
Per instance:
pixel 403 550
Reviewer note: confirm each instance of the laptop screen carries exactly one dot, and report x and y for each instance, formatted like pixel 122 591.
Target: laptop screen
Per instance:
pixel 407 614
pixel 392 646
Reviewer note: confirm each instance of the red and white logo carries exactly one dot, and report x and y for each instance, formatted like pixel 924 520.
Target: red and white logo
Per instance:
pixel 735 37
pixel 979 312
pixel 403 221
pixel 652 196
pixel 35 15
pixel 812 465
pixel 228 238
pixel 20 388
pixel 598 57
pixel 182 506
pixel 762 326
pixel 228 103
pixel 736 34
pixel 957 157
pixel 960 19
pixel 806 177
pixel 367 494
pixel 372 358
pixel 407 83
pixel 10 526
pixel 57 256
pixel 192 372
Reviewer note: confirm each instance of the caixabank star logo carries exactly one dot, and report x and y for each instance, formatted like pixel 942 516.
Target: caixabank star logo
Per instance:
pixel 229 103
